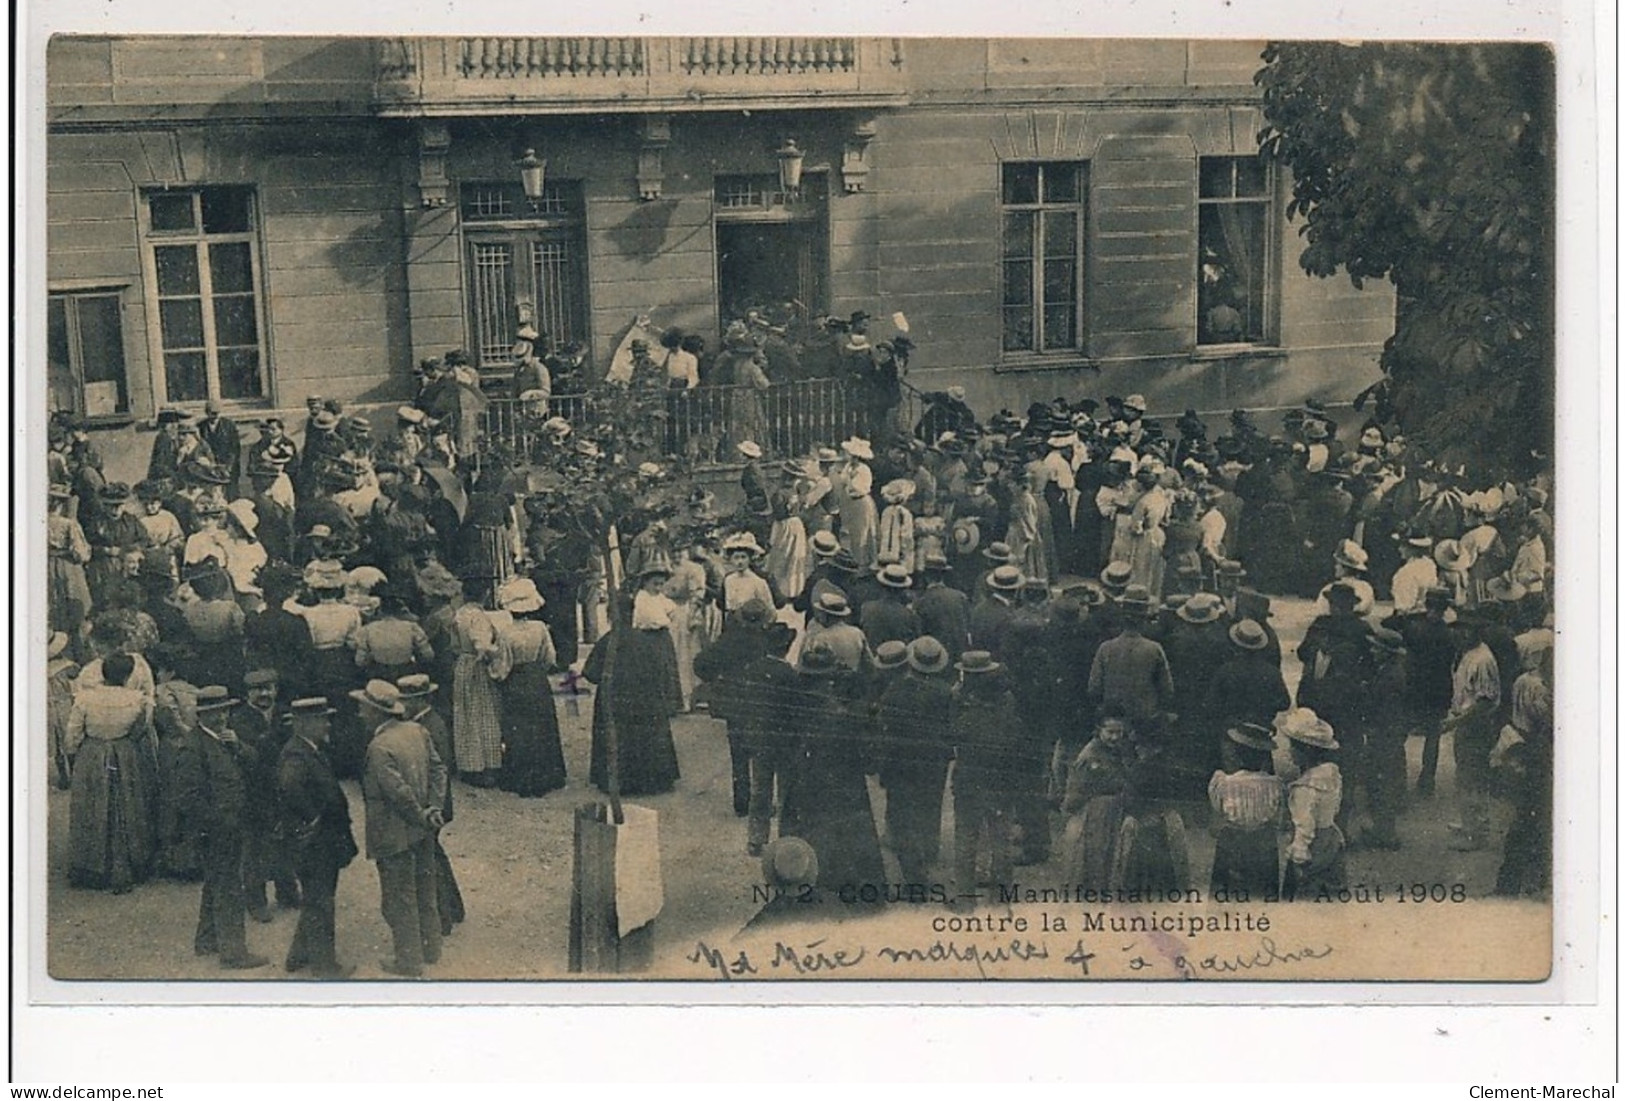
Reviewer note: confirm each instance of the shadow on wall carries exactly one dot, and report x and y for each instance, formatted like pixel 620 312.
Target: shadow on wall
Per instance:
pixel 642 234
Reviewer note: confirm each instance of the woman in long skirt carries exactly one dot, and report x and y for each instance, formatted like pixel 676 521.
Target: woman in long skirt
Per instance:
pixel 642 694
pixel 853 485
pixel 111 843
pixel 687 589
pixel 67 551
pixel 532 754
pixel 788 553
pixel 476 723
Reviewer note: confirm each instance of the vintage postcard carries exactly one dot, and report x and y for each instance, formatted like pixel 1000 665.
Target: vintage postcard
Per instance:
pixel 785 508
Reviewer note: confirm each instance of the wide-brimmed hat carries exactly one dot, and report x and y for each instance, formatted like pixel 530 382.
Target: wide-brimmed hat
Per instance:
pixel 844 561
pixel 1006 578
pixel 149 489
pixel 1251 735
pixel 891 654
pixel 858 448
pixel 1231 567
pixel 1351 555
pixel 832 603
pixel 1201 608
pixel 242 511
pixel 657 568
pixel 898 490
pixel 324 419
pixel 519 596
pixel 1504 590
pixel 414 685
pixel 1451 554
pixel 1249 634
pixel 998 552
pixel 311 707
pixel 202 470
pixel 976 662
pixel 1086 593
pixel 1115 576
pixel 966 535
pixel 826 455
pixel 894 575
pixel 742 541
pixel 1135 402
pixel 755 612
pixel 789 862
pixel 825 544
pixel 1302 725
pixel 214 697
pixel 749 448
pixel 382 695
pixel 927 655
pixel 324 573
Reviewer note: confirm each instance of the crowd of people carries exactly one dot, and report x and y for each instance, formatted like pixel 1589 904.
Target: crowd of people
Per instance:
pixel 1060 623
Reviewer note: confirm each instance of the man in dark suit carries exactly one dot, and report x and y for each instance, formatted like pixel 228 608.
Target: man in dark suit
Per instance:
pixel 209 774
pixel 258 724
pixel 944 612
pixel 417 696
pixel 316 823
pixel 405 788
pixel 224 441
pixel 276 519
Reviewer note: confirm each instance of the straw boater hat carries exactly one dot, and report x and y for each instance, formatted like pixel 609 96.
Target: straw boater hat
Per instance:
pixel 1249 635
pixel 858 448
pixel 1115 577
pixel 928 656
pixel 826 455
pixel 998 552
pixel 415 685
pixel 750 449
pixel 1505 591
pixel 977 662
pixel 1135 402
pixel 324 419
pixel 1135 597
pixel 894 575
pixel 382 696
pixel 825 544
pixel 1302 725
pixel 1086 593
pixel 891 654
pixel 214 697
pixel 1201 608
pixel 832 603
pixel 1005 578
pixel 1251 735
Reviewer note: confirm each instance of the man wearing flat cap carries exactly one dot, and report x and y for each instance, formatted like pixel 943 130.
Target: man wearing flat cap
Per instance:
pixel 405 789
pixel 316 823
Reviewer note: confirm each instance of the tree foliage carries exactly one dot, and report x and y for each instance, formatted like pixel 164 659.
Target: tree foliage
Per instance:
pixel 1433 165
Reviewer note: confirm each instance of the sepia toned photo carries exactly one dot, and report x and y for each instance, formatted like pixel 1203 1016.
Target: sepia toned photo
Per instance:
pixel 730 509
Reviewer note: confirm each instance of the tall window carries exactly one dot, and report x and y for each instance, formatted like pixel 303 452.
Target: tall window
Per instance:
pixel 205 269
pixel 526 261
pixel 1043 256
pixel 1233 250
pixel 85 353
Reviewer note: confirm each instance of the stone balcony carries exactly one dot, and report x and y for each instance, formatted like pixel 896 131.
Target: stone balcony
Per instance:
pixel 441 77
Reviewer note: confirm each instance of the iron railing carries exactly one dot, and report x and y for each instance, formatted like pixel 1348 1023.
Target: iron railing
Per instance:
pixel 704 426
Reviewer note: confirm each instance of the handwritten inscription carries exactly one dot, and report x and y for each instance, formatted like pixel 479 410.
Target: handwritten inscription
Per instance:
pixel 1161 957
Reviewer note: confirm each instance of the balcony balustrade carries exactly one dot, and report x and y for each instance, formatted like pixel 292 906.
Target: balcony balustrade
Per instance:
pixel 501 75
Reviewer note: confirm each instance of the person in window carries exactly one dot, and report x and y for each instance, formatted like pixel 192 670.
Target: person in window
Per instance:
pixel 1223 323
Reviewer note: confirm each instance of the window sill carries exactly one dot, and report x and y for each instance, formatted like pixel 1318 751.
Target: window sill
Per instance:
pixel 1022 364
pixel 109 420
pixel 1207 352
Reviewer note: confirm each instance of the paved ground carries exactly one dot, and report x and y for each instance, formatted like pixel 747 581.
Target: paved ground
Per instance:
pixel 512 858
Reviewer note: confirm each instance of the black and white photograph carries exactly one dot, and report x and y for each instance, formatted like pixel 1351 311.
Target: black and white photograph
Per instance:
pixel 787 508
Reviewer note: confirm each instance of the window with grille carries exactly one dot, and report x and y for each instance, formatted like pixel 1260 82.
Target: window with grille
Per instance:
pixel 1233 250
pixel 755 195
pixel 85 353
pixel 526 261
pixel 203 249
pixel 1043 211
